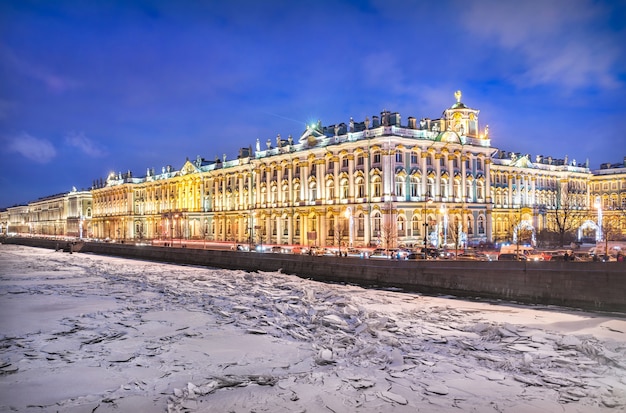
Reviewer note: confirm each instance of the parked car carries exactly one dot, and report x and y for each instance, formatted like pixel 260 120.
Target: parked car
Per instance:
pixel 511 257
pixel 417 256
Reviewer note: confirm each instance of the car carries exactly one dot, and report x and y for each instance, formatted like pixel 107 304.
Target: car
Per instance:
pixel 511 257
pixel 417 256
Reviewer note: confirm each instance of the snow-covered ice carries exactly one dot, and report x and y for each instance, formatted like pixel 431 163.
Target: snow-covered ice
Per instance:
pixel 87 333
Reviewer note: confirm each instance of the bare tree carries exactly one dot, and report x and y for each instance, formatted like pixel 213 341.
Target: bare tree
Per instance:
pixel 389 229
pixel 339 234
pixel 567 215
pixel 455 232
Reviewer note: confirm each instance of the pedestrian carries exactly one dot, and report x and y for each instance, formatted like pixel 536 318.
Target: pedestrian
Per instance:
pixel 566 256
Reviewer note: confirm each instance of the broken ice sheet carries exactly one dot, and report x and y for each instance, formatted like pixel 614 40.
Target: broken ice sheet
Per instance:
pixel 159 335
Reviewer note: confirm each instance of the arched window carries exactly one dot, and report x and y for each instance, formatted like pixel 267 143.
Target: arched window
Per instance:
pixel 376 186
pixel 345 187
pixel 296 226
pixel 330 189
pixel 415 226
pixel 285 193
pixel 399 186
pixel 401 223
pixel 415 187
pixel 480 191
pixel 444 188
pixel 331 226
pixel 376 223
pixel 313 191
pixel 360 225
pixel 296 192
pixel 376 158
pixel 360 188
pixel 430 187
pixel 481 224
pixel 457 188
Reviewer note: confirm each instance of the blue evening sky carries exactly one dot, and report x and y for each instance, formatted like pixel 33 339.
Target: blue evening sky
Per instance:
pixel 90 87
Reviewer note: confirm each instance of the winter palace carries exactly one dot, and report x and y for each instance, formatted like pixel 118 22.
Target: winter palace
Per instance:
pixel 379 181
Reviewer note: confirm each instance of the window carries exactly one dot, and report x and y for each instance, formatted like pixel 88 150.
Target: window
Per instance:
pixel 330 190
pixel 331 226
pixel 430 187
pixel 376 222
pixel 480 189
pixel 401 223
pixel 457 188
pixel 377 157
pixel 415 185
pixel 360 188
pixel 313 191
pixel 360 160
pixel 360 225
pixel 481 224
pixel 413 158
pixel 376 187
pixel 285 193
pixel 399 157
pixel 344 162
pixel 297 226
pixel 399 186
pixel 345 187
pixel 331 166
pixel 429 161
pixel 415 226
pixel 296 190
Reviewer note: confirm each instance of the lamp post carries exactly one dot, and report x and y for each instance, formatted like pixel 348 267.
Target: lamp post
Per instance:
pixel 598 205
pixel 348 215
pixel 444 213
pixel 426 202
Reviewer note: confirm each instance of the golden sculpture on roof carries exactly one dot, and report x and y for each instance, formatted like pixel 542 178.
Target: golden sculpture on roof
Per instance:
pixel 457 95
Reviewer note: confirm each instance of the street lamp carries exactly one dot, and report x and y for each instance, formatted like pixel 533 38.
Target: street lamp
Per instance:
pixel 348 215
pixel 598 205
pixel 427 202
pixel 444 213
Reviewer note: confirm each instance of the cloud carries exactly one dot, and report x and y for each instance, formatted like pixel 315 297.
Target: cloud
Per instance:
pixel 52 81
pixel 30 147
pixel 88 146
pixel 566 42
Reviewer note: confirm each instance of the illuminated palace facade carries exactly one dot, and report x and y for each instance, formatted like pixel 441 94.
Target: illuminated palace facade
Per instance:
pixel 376 182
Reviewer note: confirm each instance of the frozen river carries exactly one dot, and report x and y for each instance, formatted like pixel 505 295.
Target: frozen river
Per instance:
pixel 87 333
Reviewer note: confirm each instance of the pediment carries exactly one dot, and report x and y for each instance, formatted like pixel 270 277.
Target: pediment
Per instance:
pixel 189 168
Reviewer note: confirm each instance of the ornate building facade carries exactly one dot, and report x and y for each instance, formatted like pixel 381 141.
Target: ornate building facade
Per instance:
pixel 370 181
pixel 375 182
pixel 67 214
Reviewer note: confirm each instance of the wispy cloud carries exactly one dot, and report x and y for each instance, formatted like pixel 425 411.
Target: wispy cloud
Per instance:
pixel 562 42
pixel 53 81
pixel 36 149
pixel 88 146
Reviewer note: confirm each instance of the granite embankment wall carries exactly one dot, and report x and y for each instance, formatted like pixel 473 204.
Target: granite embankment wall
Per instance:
pixel 588 285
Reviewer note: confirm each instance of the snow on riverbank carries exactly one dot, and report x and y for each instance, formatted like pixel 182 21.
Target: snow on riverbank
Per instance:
pixel 82 333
